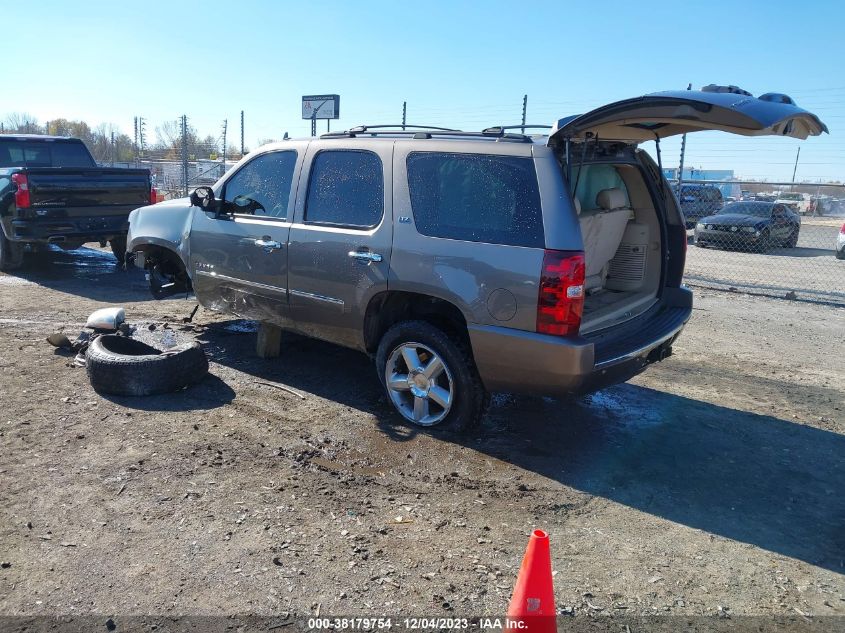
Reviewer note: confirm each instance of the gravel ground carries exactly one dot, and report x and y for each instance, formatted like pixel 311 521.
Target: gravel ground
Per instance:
pixel 711 484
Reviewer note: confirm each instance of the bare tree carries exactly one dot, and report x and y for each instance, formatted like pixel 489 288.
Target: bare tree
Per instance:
pixel 22 123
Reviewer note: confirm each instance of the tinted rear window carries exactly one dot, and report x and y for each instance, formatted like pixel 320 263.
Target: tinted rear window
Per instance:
pixel 476 198
pixel 346 189
pixel 15 153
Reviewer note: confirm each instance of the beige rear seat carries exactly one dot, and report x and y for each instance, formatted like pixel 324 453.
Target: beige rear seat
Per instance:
pixel 602 230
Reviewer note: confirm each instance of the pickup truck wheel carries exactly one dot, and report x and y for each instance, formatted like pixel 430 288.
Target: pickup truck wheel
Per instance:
pixel 430 377
pixel 122 366
pixel 11 254
pixel 118 247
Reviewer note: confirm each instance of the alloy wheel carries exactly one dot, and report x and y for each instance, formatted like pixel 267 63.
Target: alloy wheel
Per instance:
pixel 419 383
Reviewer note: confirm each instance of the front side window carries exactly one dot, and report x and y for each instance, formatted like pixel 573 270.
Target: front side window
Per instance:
pixel 476 198
pixel 267 180
pixel 346 188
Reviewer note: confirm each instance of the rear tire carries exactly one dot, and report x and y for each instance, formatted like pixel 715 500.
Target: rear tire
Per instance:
pixel 443 372
pixel 122 366
pixel 792 240
pixel 11 254
pixel 118 247
pixel 840 254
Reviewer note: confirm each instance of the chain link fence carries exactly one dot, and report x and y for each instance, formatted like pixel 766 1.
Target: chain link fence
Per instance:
pixel 775 239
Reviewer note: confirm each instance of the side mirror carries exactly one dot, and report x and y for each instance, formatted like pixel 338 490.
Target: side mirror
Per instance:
pixel 203 197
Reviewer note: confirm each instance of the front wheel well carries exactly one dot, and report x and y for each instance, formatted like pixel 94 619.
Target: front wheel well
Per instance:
pixel 167 272
pixel 166 259
pixel 388 308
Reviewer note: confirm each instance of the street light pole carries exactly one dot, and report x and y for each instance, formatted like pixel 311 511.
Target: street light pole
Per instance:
pixel 795 169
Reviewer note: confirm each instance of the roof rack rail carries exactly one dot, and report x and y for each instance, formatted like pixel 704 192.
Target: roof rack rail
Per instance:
pixel 426 132
pixel 502 128
pixel 364 128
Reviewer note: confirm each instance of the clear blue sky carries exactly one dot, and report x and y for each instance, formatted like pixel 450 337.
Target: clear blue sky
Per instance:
pixel 464 64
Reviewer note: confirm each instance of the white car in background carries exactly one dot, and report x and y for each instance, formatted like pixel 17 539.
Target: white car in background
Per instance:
pixel 840 243
pixel 795 201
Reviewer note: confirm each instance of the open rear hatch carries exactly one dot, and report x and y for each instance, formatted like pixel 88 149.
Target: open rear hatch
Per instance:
pixel 620 221
pixel 664 114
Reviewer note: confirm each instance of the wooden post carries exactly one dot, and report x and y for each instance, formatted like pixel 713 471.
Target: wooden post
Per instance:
pixel 269 341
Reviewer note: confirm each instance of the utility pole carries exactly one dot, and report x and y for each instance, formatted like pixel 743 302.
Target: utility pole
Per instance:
pixel 795 169
pixel 242 133
pixel 683 150
pixel 225 126
pixel 524 111
pixel 185 152
pixel 112 148
pixel 142 139
pixel 404 113
pixel 225 130
pixel 136 141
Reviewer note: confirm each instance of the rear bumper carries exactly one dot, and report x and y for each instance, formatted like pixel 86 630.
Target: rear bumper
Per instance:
pixel 57 230
pixel 525 362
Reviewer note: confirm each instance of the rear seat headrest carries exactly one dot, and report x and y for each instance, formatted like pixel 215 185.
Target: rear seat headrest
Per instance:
pixel 577 205
pixel 609 199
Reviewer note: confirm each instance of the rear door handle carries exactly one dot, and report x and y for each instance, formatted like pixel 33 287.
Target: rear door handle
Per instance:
pixel 267 244
pixel 365 257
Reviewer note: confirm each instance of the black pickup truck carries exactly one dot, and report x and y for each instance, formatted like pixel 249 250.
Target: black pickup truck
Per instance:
pixel 53 192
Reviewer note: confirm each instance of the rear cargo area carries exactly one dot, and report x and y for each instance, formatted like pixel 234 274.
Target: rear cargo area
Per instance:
pixel 620 228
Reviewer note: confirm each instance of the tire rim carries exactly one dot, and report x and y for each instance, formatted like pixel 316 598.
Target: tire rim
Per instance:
pixel 419 384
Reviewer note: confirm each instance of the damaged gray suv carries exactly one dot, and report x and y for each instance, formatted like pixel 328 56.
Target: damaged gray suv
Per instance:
pixel 463 263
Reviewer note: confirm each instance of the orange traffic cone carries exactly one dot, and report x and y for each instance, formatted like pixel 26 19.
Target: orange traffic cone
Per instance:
pixel 532 607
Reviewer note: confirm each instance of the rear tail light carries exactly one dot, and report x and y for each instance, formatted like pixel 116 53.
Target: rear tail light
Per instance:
pixel 842 230
pixel 22 200
pixel 561 298
pixel 153 195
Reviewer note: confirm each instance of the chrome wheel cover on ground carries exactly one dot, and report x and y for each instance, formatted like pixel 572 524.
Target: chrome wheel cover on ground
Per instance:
pixel 419 384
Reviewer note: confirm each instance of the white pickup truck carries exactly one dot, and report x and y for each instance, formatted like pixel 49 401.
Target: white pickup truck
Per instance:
pixel 798 202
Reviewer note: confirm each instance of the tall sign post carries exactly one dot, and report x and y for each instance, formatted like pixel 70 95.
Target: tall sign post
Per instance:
pixel 320 107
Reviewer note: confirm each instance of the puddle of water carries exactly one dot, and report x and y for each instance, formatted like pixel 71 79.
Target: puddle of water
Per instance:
pixel 626 409
pixel 243 326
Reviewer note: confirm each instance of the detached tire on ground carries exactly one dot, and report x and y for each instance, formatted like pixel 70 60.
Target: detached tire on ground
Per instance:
pixel 122 366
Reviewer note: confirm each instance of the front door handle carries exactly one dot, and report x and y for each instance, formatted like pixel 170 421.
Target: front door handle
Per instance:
pixel 365 257
pixel 267 244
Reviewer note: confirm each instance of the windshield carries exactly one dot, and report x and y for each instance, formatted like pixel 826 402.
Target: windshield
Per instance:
pixel 759 209
pixel 37 153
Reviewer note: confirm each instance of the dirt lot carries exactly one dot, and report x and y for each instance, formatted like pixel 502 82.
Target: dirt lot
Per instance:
pixel 713 483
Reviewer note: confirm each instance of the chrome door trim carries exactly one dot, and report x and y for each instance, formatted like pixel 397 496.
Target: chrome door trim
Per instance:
pixel 323 298
pixel 253 284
